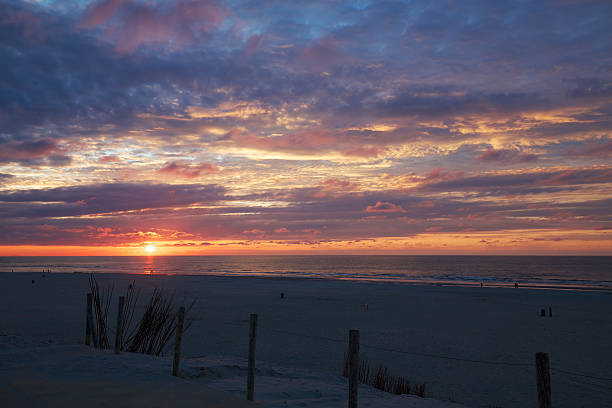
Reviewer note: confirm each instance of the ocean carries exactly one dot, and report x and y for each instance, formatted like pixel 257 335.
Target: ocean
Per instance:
pixel 560 272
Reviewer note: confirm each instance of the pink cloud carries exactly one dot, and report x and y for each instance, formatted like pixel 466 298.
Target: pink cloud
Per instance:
pixel 385 207
pixel 253 43
pixel 311 231
pixel 256 232
pixel 30 24
pixel 129 24
pixel 187 170
pixel 334 187
pixel 594 150
pixel 321 54
pixel 309 141
pixel 337 184
pixel 100 11
pixel 24 150
pixel 110 159
pixel 566 177
pixel 439 174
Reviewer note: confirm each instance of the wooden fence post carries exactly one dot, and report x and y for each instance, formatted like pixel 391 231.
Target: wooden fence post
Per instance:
pixel 543 380
pixel 119 334
pixel 88 320
pixel 177 341
pixel 353 366
pixel 251 368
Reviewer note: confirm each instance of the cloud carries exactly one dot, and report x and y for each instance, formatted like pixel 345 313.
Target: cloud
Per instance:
pixel 32 152
pixel 384 207
pixel 173 24
pixel 253 43
pixel 27 149
pixel 254 232
pixel 439 175
pixel 445 101
pixel 363 151
pixel 522 183
pixel 104 198
pixel 4 177
pixel 506 156
pixel 111 158
pixel 599 149
pixel 305 110
pixel 321 54
pixel 100 11
pixel 187 170
pixel 59 160
pixel 591 88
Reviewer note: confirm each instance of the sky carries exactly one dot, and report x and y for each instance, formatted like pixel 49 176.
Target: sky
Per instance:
pixel 324 127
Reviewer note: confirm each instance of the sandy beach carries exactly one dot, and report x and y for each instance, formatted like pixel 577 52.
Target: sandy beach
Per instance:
pixel 470 345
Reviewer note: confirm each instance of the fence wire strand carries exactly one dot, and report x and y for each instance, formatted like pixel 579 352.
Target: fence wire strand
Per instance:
pixel 594 377
pixel 592 386
pixel 414 353
pixel 569 375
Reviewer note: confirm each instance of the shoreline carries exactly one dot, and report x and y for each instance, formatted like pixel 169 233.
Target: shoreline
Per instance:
pixel 564 273
pixel 487 283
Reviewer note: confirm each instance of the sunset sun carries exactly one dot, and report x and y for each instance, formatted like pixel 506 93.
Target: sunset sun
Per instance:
pixel 150 249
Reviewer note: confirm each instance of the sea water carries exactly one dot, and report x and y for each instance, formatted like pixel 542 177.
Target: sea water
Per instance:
pixel 563 272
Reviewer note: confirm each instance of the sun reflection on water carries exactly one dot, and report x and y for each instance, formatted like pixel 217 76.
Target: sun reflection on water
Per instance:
pixel 149 267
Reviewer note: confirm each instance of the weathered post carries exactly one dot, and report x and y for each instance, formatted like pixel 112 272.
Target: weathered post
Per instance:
pixel 543 380
pixel 119 334
pixel 177 341
pixel 251 368
pixel 88 320
pixel 353 361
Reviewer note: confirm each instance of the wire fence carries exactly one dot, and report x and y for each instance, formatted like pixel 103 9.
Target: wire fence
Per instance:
pixel 570 374
pixel 584 381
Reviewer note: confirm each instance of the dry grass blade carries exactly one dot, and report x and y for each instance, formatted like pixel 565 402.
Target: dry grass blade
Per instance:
pixel 151 334
pixel 382 379
pixel 401 386
pixel 101 299
pixel 131 299
pixel 157 325
pixel 419 389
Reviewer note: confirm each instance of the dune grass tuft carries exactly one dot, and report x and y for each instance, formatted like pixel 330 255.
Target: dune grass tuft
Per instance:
pixel 382 379
pixel 148 335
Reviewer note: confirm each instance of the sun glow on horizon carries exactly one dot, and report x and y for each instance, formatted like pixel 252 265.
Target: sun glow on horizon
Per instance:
pixel 150 249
